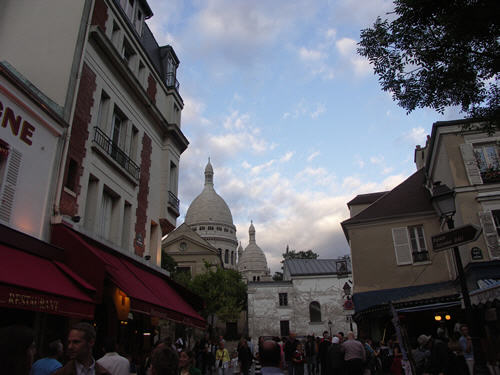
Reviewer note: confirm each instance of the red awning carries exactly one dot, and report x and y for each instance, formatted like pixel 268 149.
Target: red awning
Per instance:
pixel 34 283
pixel 149 292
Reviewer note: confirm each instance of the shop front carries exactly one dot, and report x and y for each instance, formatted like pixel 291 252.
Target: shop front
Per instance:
pixel 138 304
pixel 37 289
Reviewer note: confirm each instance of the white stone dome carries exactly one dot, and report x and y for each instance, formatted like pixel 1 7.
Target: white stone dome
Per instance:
pixel 209 206
pixel 253 260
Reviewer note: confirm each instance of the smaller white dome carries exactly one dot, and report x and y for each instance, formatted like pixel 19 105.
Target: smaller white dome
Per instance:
pixel 253 258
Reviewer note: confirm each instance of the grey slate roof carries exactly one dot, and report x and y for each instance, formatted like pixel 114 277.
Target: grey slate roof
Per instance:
pixel 408 198
pixel 307 267
pixel 366 198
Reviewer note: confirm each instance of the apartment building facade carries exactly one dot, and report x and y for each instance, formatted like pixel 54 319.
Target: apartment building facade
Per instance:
pixel 390 234
pixel 110 175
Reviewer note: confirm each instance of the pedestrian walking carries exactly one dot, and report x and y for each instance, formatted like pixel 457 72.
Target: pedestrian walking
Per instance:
pixel 323 347
pixel 311 350
pixel 112 361
pixel 244 357
pixel 51 363
pixel 354 355
pixel 186 363
pixel 81 340
pixel 298 360
pixel 270 355
pixel 222 359
pixel 335 358
pixel 289 350
pixel 421 355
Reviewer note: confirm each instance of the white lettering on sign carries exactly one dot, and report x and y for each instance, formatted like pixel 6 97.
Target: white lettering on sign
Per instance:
pixel 19 127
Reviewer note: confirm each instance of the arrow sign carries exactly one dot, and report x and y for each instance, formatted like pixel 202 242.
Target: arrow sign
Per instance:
pixel 455 237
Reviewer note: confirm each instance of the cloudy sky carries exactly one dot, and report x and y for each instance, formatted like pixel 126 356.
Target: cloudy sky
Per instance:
pixel 294 121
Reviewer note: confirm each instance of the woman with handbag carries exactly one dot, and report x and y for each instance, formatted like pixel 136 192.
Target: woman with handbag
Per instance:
pixel 222 359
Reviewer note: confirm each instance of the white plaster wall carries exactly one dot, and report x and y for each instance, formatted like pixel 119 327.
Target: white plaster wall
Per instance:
pixel 38 38
pixel 264 312
pixel 39 162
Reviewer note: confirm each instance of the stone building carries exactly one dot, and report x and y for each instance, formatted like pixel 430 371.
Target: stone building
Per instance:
pixel 309 300
pixel 210 217
pixel 252 262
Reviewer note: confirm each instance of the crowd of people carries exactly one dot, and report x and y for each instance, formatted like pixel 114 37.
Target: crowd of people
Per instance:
pixel 327 355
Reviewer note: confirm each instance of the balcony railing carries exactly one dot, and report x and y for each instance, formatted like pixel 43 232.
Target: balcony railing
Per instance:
pixel 173 201
pixel 171 81
pixel 112 149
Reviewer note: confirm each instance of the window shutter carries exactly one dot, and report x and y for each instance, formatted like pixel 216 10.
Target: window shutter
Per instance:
pixel 490 233
pixel 471 167
pixel 9 184
pixel 402 246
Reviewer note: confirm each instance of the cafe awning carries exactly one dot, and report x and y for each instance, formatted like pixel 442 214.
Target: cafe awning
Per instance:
pixel 32 282
pixel 149 291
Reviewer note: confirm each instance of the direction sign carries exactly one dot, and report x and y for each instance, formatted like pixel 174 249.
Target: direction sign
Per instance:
pixel 455 237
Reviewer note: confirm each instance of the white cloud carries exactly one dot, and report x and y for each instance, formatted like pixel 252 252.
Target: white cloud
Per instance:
pixel 347 49
pixel 310 54
pixel 313 156
pixel 303 108
pixel 287 156
pixel 320 108
pixel 416 135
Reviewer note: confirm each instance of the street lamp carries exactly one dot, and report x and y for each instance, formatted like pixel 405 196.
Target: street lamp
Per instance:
pixel 443 200
pixel 330 326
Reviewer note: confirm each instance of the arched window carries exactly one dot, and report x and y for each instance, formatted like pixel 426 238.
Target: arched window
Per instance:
pixel 315 311
pixel 232 257
pixel 226 256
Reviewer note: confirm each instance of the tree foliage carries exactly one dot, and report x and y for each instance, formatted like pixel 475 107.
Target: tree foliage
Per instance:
pixel 168 263
pixel 223 290
pixel 293 254
pixel 439 53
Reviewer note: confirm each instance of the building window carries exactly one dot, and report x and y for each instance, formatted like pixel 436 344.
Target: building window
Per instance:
pixel 210 228
pixel 284 328
pixel 488 162
pixel 138 21
pixel 226 256
pixel 409 245
pixel 71 175
pixel 102 114
pixel 105 215
pixel 225 230
pixel 219 229
pixel 417 240
pixel 283 299
pixel 128 53
pixel 202 228
pixel 496 220
pixel 232 257
pixel 315 311
pixel 115 35
pixel 186 270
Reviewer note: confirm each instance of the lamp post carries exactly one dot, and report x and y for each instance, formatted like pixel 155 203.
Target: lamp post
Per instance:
pixel 443 200
pixel 347 293
pixel 330 327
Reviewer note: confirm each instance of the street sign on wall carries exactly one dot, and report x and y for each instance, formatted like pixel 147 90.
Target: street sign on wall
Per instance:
pixel 455 237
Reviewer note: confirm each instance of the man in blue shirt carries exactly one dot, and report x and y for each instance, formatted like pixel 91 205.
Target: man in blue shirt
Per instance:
pixel 50 364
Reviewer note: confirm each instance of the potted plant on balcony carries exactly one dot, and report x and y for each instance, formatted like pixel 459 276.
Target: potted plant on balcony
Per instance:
pixel 491 174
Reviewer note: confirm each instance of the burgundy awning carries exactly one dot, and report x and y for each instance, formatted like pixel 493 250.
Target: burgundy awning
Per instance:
pixel 149 292
pixel 35 283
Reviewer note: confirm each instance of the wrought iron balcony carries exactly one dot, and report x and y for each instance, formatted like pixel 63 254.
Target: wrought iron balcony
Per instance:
pixel 173 201
pixel 171 81
pixel 107 146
